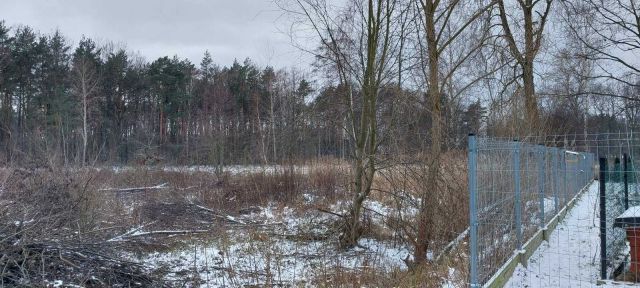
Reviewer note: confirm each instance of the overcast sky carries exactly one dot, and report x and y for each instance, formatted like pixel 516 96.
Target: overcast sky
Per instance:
pixel 227 28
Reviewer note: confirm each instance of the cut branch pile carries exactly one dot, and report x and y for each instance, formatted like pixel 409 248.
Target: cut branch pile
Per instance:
pixel 50 232
pixel 85 265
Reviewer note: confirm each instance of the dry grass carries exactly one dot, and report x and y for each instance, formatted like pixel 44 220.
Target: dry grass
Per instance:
pixel 85 203
pixel 402 187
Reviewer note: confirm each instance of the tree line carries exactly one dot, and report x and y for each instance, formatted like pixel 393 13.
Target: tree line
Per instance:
pixel 89 103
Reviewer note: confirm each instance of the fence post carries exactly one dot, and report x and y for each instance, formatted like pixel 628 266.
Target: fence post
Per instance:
pixel 565 190
pixel 617 170
pixel 473 209
pixel 541 162
pixel 603 219
pixel 554 161
pixel 518 202
pixel 625 173
pixel 583 170
pixel 576 181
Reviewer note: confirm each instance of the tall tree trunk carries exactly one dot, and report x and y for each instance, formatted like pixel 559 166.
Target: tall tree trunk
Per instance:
pixel 530 100
pixel 425 218
pixel 6 126
pixel 273 126
pixel 84 119
pixel 526 56
pixel 366 136
pixel 531 104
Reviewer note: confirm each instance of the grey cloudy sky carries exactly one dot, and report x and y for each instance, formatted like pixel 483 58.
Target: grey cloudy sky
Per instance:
pixel 227 28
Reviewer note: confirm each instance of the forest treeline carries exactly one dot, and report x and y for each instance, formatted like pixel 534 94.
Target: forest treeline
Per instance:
pixel 68 103
pixel 170 110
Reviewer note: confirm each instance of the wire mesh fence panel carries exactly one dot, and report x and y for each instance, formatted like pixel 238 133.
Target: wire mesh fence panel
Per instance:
pixel 537 205
pixel 495 204
pixel 633 180
pixel 614 206
pixel 516 190
pixel 621 214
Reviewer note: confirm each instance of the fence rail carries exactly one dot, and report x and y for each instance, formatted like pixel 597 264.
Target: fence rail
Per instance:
pixel 516 189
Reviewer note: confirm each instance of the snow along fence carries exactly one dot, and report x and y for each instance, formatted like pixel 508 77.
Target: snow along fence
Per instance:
pixel 517 191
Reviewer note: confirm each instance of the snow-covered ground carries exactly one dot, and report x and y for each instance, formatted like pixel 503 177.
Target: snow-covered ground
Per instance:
pixel 284 249
pixel 266 261
pixel 571 257
pixel 231 169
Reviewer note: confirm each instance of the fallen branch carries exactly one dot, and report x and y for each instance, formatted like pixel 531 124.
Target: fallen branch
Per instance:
pixel 136 189
pixel 130 232
pixel 331 212
pixel 453 244
pixel 166 232
pixel 221 216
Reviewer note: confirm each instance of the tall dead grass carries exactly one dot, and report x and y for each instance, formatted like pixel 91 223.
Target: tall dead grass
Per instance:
pixel 85 205
pixel 403 186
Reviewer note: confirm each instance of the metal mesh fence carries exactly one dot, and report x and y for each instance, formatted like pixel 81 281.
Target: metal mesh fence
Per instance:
pixel 516 190
pixel 618 194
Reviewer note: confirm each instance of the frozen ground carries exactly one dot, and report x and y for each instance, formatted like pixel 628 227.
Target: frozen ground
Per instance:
pixel 284 248
pixel 571 257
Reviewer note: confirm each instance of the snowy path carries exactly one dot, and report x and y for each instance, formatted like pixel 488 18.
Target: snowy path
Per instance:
pixel 571 257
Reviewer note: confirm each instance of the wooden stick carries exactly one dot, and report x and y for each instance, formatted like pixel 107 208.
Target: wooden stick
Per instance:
pixel 135 189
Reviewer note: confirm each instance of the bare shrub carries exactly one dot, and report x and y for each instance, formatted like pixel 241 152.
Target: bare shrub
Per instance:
pixel 402 185
pixel 329 179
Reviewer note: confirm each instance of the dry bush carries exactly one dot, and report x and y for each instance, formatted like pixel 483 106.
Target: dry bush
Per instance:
pixel 188 195
pixel 329 179
pixel 453 201
pixel 59 199
pixel 338 276
pixel 403 185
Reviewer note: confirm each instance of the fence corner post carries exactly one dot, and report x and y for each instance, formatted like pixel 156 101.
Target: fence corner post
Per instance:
pixel 473 209
pixel 603 218
pixel 556 176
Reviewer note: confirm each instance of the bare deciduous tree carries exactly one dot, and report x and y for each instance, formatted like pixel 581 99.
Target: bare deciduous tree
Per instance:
pixel 85 84
pixel 610 29
pixel 443 23
pixel 525 50
pixel 359 50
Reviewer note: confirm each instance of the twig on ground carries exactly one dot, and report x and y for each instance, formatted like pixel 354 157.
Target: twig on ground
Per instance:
pixel 130 232
pixel 136 189
pixel 166 232
pixel 331 212
pixel 219 215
